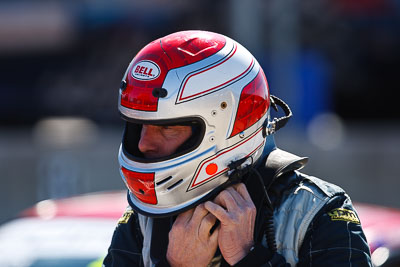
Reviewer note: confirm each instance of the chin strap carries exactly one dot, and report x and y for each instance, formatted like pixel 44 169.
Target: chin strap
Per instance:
pixel 270 127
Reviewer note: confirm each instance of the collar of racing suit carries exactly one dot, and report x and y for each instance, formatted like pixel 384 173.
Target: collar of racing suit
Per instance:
pixel 279 162
pixel 278 173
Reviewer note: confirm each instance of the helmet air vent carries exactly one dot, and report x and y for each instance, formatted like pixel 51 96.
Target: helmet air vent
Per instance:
pixel 164 180
pixel 175 185
pixel 160 92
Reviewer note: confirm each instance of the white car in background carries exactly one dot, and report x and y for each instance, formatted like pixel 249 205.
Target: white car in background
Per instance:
pixel 76 232
pixel 71 232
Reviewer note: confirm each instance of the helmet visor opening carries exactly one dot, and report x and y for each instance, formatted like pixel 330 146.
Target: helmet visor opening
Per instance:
pixel 132 135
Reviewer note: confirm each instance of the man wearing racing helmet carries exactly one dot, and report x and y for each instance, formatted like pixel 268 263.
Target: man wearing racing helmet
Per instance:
pixel 207 185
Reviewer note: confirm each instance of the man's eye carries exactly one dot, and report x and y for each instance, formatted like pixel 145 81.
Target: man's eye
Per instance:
pixel 170 130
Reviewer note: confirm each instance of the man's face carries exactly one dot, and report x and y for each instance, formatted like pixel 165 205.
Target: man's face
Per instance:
pixel 161 141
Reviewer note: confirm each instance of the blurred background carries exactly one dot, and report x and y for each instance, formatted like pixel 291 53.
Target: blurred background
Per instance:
pixel 336 63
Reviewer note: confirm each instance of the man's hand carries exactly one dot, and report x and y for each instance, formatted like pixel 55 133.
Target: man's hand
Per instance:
pixel 190 241
pixel 236 211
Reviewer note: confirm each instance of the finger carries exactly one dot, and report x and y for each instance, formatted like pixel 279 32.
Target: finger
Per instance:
pixel 242 190
pixel 199 213
pixel 226 200
pixel 236 196
pixel 217 211
pixel 184 217
pixel 206 224
pixel 214 236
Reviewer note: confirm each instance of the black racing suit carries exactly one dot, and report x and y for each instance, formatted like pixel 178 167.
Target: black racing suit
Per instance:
pixel 333 238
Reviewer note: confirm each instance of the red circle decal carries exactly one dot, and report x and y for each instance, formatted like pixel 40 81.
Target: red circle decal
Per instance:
pixel 211 169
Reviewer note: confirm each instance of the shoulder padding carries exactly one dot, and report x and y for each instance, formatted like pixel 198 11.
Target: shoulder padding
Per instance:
pixel 280 162
pixel 329 189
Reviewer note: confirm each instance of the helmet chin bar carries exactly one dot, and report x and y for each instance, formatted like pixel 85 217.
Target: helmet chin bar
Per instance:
pixel 237 171
pixel 270 127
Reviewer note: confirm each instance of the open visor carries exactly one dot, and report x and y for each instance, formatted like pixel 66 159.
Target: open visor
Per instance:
pixel 132 132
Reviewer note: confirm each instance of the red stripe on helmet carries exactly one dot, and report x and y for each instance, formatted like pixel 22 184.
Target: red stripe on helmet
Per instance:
pixel 253 104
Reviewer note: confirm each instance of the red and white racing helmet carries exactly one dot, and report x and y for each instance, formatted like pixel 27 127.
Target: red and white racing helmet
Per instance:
pixel 197 78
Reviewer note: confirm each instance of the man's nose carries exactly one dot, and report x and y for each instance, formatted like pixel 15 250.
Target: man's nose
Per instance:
pixel 148 139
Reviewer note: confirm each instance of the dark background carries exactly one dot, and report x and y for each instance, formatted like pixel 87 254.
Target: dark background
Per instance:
pixel 336 63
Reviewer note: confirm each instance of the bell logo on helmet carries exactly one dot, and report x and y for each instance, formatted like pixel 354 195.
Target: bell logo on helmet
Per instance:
pixel 145 70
